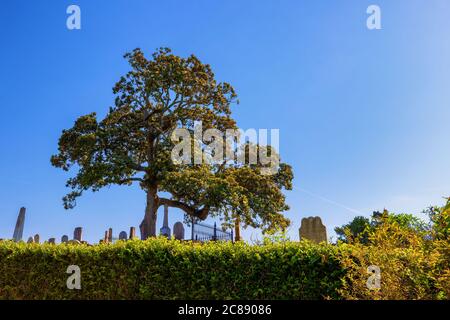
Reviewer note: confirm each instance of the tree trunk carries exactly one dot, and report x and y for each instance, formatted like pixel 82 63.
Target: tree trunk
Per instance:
pixel 148 225
pixel 237 229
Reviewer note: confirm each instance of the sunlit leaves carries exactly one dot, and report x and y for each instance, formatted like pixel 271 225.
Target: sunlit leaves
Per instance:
pixel 132 144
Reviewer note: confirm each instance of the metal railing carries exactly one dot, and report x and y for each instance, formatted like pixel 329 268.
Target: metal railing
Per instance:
pixel 203 232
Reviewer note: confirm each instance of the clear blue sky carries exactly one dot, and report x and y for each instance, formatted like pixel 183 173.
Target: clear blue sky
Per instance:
pixel 363 114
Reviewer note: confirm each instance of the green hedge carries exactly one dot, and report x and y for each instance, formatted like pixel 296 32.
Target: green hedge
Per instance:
pixel 163 269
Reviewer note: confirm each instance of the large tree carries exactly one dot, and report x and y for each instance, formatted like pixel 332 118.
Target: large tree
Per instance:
pixel 134 143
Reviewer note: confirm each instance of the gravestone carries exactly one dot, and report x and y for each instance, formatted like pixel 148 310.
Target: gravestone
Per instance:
pixel 132 232
pixel 30 240
pixel 36 238
pixel 122 235
pixel 110 235
pixel 64 239
pixel 78 233
pixel 18 230
pixel 178 231
pixel 143 230
pixel 165 230
pixel 313 230
pixel 52 240
pixel 105 239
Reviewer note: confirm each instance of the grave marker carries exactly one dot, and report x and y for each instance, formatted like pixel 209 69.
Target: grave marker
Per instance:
pixel 178 231
pixel 132 232
pixel 122 235
pixel 18 230
pixel 165 230
pixel 313 230
pixel 78 233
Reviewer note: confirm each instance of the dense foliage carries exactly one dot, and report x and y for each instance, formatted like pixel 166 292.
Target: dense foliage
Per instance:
pixel 414 260
pixel 360 227
pixel 163 269
pixel 413 264
pixel 134 144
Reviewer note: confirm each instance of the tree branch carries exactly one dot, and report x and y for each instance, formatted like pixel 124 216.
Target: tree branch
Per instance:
pixel 202 214
pixel 130 180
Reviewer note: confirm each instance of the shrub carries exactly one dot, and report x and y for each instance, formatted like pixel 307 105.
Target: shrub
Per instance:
pixel 413 266
pixel 169 269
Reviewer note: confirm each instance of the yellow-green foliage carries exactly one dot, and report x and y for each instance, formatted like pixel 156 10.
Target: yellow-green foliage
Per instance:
pixel 413 265
pixel 163 269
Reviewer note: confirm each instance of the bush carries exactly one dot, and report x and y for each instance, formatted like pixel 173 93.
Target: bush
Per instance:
pixel 412 265
pixel 169 269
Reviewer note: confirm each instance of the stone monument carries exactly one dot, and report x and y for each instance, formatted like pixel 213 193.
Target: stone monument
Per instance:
pixel 18 230
pixel 313 230
pixel 165 230
pixel 78 233
pixel 132 232
pixel 178 231
pixel 122 235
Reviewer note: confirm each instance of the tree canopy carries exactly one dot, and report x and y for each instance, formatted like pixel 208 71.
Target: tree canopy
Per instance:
pixel 440 221
pixel 134 142
pixel 360 227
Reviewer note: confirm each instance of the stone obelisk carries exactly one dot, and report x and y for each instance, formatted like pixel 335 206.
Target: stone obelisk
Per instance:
pixel 165 230
pixel 18 231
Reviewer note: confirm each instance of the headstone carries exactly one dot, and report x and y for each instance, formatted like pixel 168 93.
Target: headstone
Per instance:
pixel 132 232
pixel 18 230
pixel 64 239
pixel 52 240
pixel 165 230
pixel 105 239
pixel 178 231
pixel 122 235
pixel 30 240
pixel 313 230
pixel 110 235
pixel 143 230
pixel 36 238
pixel 78 233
